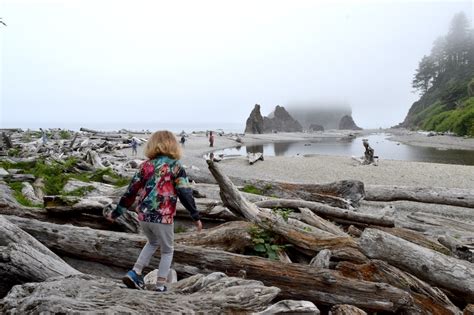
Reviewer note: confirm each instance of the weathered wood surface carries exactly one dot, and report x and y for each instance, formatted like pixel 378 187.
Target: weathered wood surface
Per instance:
pixel 345 309
pixel 327 286
pixel 343 194
pixel 437 269
pixel 309 217
pixel 440 195
pixel 24 259
pixel 333 213
pixel 427 299
pixel 417 238
pixel 321 260
pixel 294 231
pixel 214 293
pixel 254 157
pixel 458 249
pixel 291 307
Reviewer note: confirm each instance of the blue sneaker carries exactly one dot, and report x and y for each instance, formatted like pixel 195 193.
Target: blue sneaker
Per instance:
pixel 133 280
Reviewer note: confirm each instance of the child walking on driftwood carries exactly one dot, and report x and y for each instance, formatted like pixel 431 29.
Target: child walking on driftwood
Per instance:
pixel 158 184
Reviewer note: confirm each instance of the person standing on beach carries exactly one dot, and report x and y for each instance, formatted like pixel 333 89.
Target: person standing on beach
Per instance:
pixel 157 185
pixel 211 139
pixel 44 137
pixel 134 146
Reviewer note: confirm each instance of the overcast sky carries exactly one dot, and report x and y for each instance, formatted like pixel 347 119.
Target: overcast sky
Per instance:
pixel 94 61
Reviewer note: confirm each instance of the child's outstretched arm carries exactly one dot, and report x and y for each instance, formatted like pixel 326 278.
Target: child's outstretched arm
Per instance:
pixel 138 182
pixel 185 195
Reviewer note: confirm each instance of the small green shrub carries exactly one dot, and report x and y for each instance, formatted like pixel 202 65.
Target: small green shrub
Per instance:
pixel 252 190
pixel 64 134
pixel 266 243
pixel 283 212
pixel 79 192
pixel 17 187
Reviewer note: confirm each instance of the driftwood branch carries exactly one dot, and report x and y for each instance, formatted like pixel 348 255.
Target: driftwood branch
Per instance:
pixel 440 270
pixel 446 196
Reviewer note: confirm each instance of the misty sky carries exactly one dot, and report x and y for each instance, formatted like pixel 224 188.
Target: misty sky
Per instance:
pixel 87 61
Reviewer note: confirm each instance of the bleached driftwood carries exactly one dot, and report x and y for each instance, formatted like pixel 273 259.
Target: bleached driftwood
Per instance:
pixel 296 232
pixel 440 270
pixel 441 195
pixel 254 157
pixel 343 194
pixel 333 213
pixel 24 259
pixel 327 286
pixel 215 293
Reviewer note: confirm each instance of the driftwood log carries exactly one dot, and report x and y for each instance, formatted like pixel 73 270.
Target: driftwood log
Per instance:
pixel 121 249
pixel 215 293
pixel 345 309
pixel 24 259
pixel 343 194
pixel 296 232
pixel 437 269
pixel 254 157
pixel 446 196
pixel 427 299
pixel 335 214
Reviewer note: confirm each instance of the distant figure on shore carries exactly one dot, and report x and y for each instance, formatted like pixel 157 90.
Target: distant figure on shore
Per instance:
pixel 368 157
pixel 44 137
pixel 183 140
pixel 211 139
pixel 134 146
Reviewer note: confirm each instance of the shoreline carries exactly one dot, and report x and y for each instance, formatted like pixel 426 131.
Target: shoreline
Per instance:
pixel 324 169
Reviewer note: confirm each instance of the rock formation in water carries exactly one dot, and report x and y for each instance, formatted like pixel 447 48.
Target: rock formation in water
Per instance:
pixel 255 121
pixel 316 127
pixel 278 121
pixel 281 121
pixel 326 114
pixel 347 123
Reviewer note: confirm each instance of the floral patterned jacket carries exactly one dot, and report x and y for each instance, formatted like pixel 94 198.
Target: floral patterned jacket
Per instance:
pixel 158 184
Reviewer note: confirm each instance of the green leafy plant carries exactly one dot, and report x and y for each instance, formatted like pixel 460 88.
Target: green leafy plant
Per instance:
pixel 252 190
pixel 17 187
pixel 79 192
pixel 283 212
pixel 64 134
pixel 266 243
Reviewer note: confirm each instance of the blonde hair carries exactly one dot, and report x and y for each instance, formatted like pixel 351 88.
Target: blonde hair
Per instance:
pixel 163 143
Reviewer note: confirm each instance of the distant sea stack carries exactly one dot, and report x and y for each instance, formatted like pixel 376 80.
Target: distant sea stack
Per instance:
pixel 279 120
pixel 347 123
pixel 255 121
pixel 311 115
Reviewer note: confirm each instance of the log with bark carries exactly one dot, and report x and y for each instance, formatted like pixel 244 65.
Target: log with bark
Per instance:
pixel 427 299
pixel 343 194
pixel 295 280
pixel 215 293
pixel 440 195
pixel 346 309
pixel 435 268
pixel 294 231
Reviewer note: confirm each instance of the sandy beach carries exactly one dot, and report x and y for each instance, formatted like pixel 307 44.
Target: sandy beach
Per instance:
pixel 323 169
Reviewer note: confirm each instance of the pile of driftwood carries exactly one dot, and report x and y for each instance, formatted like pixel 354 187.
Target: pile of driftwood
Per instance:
pixel 341 247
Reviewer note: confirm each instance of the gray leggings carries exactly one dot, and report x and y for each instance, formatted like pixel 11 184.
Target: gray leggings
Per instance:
pixel 158 235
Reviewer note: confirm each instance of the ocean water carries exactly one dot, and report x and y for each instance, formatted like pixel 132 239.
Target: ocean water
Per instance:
pixel 384 149
pixel 133 126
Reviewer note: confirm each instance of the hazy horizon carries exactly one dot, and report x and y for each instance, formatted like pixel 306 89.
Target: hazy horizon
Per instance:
pixel 108 62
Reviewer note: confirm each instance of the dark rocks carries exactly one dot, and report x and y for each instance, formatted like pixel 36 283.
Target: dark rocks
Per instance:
pixel 280 121
pixel 347 123
pixel 316 127
pixel 255 121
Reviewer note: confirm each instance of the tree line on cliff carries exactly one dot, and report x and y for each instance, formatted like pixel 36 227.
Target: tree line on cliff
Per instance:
pixel 445 81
